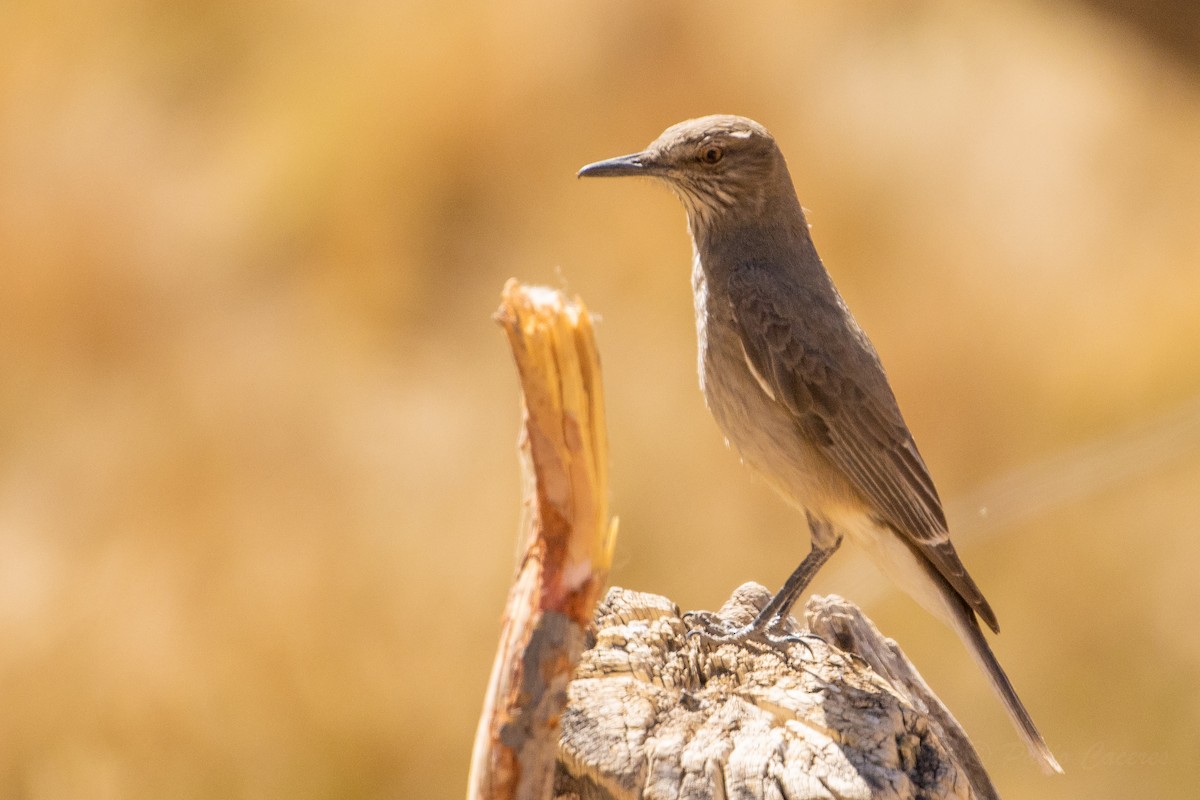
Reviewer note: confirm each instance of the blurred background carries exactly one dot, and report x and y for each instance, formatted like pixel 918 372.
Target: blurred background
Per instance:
pixel 258 487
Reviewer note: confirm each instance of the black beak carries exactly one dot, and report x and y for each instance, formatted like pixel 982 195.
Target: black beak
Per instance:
pixel 633 164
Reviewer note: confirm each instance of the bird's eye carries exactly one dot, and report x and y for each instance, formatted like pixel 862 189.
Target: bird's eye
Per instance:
pixel 711 154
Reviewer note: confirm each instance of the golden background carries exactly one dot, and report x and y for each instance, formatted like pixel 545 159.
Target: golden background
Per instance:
pixel 258 485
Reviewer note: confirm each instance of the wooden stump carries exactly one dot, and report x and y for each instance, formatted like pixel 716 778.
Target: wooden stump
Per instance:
pixel 655 713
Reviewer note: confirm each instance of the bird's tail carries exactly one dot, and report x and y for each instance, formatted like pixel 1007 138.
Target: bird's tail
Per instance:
pixel 907 565
pixel 967 627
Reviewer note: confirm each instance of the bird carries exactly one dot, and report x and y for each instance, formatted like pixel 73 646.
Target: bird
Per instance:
pixel 798 389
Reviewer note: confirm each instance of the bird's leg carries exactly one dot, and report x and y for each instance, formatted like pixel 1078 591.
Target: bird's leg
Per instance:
pixel 825 542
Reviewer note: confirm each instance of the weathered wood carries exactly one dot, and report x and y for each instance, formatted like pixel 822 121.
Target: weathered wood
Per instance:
pixel 655 713
pixel 846 627
pixel 567 543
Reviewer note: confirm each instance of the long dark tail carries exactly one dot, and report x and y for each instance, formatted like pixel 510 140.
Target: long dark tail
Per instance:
pixel 967 627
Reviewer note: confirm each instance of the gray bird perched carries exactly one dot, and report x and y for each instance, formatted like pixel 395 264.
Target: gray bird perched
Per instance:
pixel 797 387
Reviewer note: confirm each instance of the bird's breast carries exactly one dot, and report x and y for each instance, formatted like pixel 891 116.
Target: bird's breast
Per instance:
pixel 762 431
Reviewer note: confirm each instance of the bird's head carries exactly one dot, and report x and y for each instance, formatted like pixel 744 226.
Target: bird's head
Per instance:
pixel 717 165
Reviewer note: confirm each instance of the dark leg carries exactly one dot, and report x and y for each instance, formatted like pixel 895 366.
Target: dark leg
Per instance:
pixel 825 543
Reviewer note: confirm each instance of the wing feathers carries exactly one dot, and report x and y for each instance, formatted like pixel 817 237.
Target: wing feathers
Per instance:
pixel 841 400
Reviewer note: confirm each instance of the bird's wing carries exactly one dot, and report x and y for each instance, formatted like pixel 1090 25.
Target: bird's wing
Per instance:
pixel 836 389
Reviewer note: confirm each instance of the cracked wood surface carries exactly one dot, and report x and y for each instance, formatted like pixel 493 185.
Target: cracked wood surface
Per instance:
pixel 654 713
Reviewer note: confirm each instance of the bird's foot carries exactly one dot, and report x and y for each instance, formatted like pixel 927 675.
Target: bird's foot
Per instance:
pixel 772 632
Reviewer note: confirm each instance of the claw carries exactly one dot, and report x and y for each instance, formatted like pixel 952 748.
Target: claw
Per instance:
pixel 701 623
pixel 714 630
pixel 801 638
